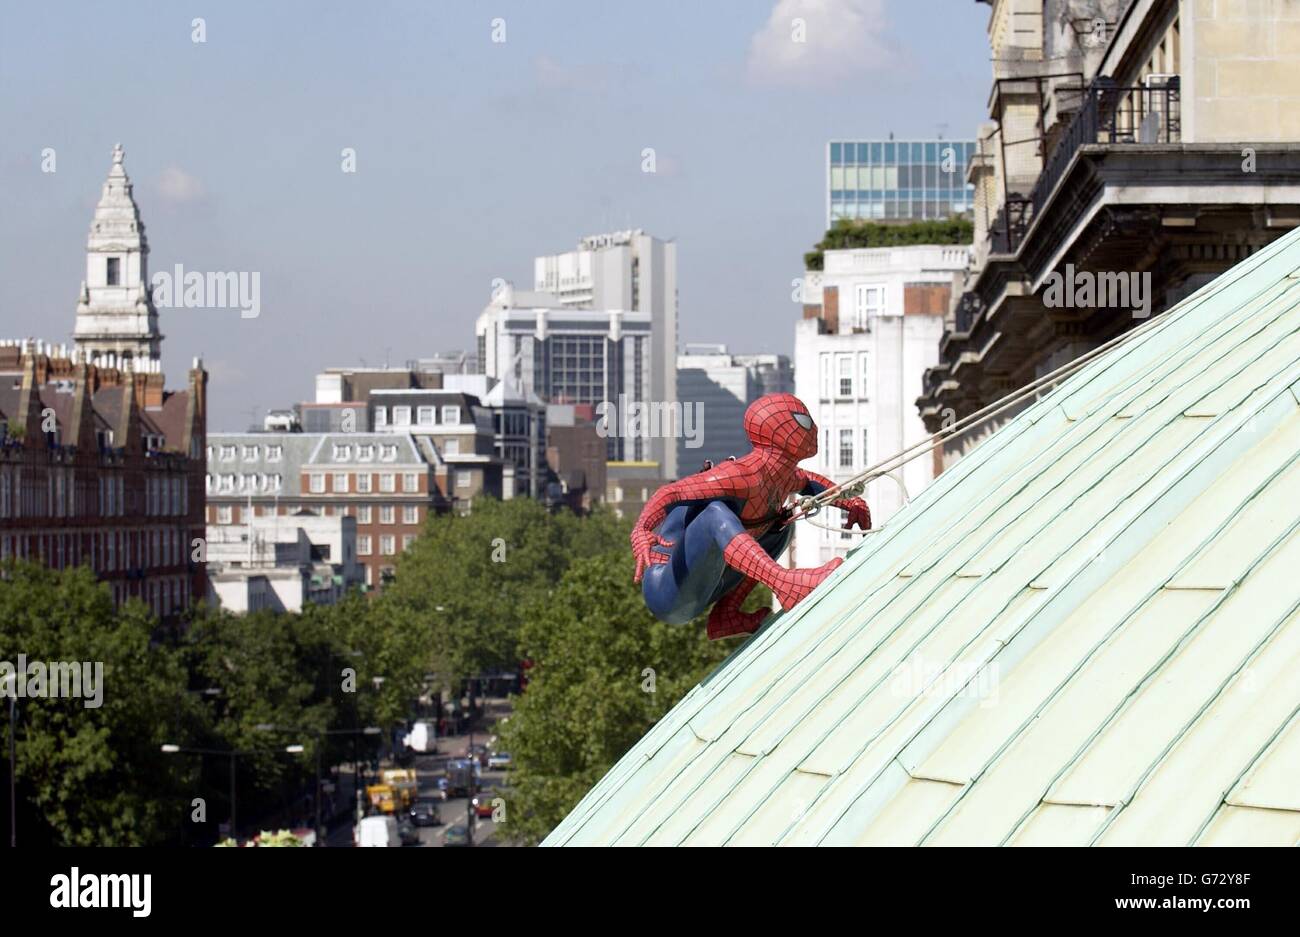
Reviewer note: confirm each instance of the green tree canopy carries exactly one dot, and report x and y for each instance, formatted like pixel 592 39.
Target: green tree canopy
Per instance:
pixel 855 232
pixel 604 671
pixel 94 776
pixel 464 585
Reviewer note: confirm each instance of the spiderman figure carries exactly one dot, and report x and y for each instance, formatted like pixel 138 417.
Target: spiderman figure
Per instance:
pixel 707 538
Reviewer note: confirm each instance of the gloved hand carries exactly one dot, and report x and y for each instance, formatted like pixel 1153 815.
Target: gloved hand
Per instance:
pixel 858 513
pixel 643 539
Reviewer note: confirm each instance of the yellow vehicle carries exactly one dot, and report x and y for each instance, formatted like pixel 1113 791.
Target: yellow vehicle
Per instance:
pixel 403 784
pixel 382 797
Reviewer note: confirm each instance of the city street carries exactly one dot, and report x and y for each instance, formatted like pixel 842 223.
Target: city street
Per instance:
pixel 452 812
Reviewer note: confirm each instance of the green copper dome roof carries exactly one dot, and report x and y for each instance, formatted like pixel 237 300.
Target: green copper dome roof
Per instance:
pixel 1087 631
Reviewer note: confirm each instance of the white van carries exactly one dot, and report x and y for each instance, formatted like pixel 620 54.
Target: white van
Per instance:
pixel 378 831
pixel 422 738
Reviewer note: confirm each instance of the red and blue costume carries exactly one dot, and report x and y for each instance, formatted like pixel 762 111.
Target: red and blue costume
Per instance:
pixel 707 538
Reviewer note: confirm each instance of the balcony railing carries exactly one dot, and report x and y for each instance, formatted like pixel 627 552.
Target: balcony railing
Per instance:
pixel 1108 114
pixel 967 308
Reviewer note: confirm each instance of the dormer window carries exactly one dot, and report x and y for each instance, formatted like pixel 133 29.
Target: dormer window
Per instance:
pixel 114 274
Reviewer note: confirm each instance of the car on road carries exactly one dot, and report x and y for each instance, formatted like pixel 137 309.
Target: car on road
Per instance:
pixel 500 761
pixel 440 786
pixel 407 833
pixel 425 814
pixel 460 775
pixel 457 835
pixel 483 804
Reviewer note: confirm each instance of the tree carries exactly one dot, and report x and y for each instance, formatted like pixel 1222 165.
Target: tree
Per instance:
pixel 604 671
pixel 94 775
pixel 463 585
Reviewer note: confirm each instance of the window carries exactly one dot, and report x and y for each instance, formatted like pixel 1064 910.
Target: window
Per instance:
pixel 844 371
pixel 410 514
pixel 381 416
pixel 388 453
pixel 365 514
pixel 114 271
pixel 451 414
pixel 411 482
pixel 464 479
pixel 340 482
pixel 317 483
pixel 223 517
pixel 227 485
pixel 869 302
pixel 401 416
pixel 846 448
pixel 387 545
pixel 387 482
pixel 363 483
pixel 407 541
pixel 274 453
pixel 451 447
pixel 825 363
pixel 386 514
pixel 863 370
pixel 250 453
pixel 277 482
pixel 365 453
pixel 227 453
pixel 342 453
pixel 424 416
pixel 363 545
pixel 866 459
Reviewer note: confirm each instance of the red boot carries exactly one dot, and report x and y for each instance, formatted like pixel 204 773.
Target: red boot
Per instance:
pixel 727 619
pixel 790 586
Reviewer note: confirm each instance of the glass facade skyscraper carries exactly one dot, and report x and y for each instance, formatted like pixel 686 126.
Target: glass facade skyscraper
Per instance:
pixel 907 179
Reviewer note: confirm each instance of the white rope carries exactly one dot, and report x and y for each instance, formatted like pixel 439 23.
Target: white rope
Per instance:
pixel 810 505
pixel 860 533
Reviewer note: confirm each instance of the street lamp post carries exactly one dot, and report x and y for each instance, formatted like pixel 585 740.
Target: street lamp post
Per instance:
pixel 232 754
pixel 13 764
pixel 320 747
pixel 13 773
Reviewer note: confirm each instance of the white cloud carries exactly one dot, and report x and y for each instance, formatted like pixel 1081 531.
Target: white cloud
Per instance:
pixel 820 42
pixel 176 185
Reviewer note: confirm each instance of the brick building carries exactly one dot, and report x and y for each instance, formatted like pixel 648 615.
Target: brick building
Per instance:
pixel 99 463
pixel 387 481
pixel 102 466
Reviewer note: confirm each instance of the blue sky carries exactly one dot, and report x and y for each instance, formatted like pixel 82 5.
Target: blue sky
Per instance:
pixel 472 157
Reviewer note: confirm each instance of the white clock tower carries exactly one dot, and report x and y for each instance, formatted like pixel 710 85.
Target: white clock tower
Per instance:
pixel 117 324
